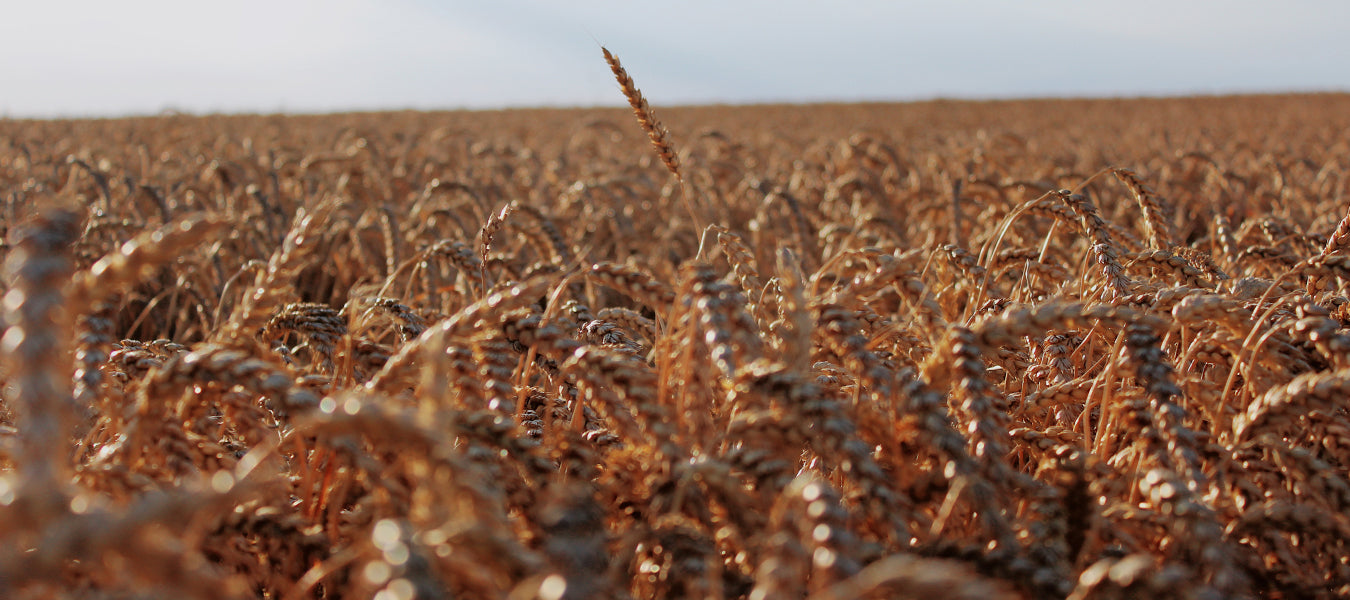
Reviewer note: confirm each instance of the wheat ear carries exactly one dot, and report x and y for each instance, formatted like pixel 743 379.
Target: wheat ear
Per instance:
pixel 657 132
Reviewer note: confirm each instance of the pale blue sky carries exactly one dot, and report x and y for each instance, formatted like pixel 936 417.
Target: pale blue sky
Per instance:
pixel 142 56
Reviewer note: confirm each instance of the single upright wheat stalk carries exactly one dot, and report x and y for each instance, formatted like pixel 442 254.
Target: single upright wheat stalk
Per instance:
pixel 646 118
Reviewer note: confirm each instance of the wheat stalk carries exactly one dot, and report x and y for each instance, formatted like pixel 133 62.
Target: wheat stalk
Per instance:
pixel 655 131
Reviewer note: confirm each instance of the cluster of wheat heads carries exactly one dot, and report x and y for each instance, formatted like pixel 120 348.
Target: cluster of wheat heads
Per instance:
pixel 928 350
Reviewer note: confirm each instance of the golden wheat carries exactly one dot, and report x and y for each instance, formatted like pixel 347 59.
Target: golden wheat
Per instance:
pixel 892 351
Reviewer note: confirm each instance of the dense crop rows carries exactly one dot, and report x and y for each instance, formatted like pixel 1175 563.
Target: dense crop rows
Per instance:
pixel 1042 349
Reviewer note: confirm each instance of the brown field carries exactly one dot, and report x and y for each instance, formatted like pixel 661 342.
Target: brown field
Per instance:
pixel 858 351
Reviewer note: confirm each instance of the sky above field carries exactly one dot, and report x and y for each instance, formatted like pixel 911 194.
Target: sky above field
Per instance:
pixel 104 58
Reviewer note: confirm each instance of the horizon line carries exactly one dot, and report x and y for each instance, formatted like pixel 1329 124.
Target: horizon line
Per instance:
pixel 171 111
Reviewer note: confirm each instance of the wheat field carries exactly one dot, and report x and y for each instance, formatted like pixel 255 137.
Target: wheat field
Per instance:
pixel 1019 349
